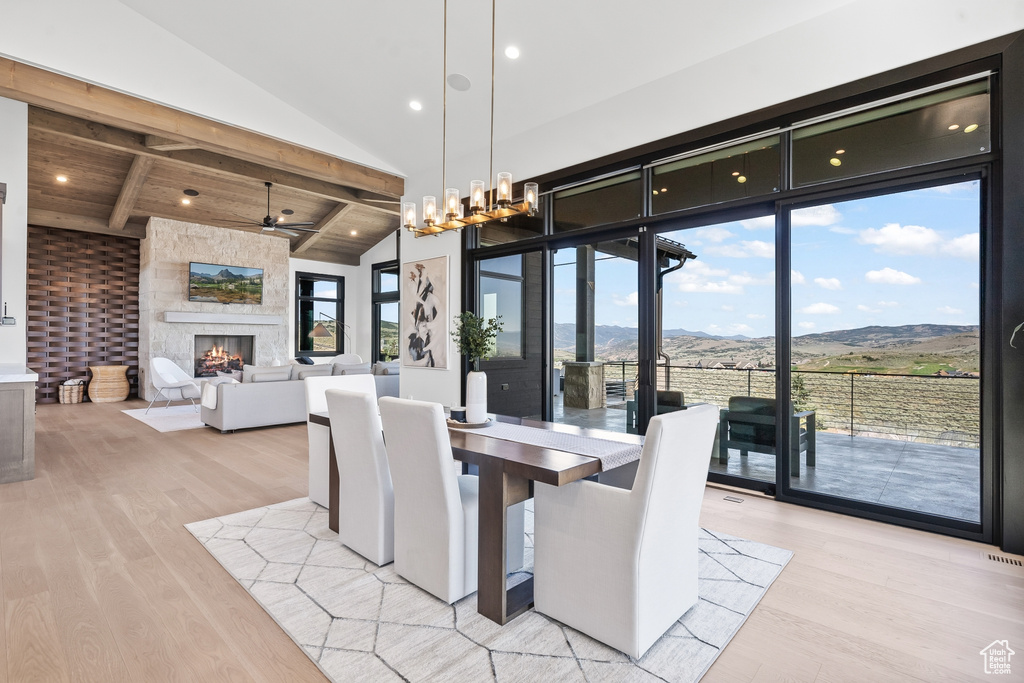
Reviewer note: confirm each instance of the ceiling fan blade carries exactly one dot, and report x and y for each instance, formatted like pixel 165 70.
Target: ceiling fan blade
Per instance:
pixel 287 232
pixel 294 225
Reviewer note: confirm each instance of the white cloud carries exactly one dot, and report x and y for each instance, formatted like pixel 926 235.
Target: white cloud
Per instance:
pixel 828 282
pixel 888 304
pixel 797 277
pixel 949 310
pixel 745 278
pixel 839 230
pixel 966 246
pixel 868 309
pixel 823 215
pixel 806 326
pixel 820 308
pixel 631 299
pixel 814 215
pixel 744 249
pixel 728 308
pixel 760 223
pixel 908 239
pixel 756 316
pixel 698 276
pixel 890 276
pixel 714 234
pixel 741 328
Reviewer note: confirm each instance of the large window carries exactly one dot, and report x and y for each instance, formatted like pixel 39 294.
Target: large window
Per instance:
pixel 385 311
pixel 320 314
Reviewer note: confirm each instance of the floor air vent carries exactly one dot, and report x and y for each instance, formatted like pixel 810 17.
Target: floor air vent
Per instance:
pixel 1006 560
pixel 733 499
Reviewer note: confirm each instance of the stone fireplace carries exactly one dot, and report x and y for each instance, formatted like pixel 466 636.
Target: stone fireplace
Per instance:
pixel 221 353
pixel 169 323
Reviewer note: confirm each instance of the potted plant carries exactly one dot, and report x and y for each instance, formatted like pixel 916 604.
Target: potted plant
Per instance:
pixel 475 338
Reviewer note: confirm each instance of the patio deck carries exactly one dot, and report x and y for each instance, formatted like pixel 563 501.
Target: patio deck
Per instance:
pixel 930 478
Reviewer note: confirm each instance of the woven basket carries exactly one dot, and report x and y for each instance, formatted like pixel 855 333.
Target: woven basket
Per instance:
pixel 71 393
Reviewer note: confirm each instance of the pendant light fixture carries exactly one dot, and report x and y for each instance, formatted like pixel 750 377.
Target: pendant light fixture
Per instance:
pixel 485 204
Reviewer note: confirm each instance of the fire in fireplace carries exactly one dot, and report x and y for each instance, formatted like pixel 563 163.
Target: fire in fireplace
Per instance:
pixel 221 353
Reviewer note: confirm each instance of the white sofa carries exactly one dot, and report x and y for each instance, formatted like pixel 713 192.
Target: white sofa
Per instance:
pixel 269 396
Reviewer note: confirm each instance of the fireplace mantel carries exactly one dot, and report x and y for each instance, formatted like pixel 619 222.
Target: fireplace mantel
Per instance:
pixel 222 318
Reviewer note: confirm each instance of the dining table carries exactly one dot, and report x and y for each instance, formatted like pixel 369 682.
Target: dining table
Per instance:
pixel 508 470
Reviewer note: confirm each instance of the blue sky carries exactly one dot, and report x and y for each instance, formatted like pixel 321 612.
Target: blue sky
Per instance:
pixel 898 259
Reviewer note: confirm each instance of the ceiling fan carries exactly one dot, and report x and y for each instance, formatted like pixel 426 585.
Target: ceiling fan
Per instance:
pixel 269 224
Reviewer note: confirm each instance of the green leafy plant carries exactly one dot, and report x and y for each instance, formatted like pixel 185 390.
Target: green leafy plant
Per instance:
pixel 476 337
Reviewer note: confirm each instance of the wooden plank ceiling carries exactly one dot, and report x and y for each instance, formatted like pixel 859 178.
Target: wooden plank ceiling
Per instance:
pixel 118 178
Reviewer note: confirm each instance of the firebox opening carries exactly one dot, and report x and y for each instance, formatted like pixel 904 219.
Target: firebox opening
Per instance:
pixel 221 353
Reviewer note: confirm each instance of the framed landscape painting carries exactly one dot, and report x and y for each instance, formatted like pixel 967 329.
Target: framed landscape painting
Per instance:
pixel 424 329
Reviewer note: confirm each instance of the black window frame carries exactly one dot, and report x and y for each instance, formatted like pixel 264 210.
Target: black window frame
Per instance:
pixel 339 310
pixel 377 298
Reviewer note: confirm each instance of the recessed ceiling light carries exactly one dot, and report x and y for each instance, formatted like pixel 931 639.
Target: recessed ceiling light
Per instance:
pixel 664 189
pixel 355 232
pixel 971 128
pixel 835 161
pixel 840 151
pixel 186 201
pixel 415 105
pixel 741 179
pixel 62 179
pixel 192 193
pixel 954 126
pixel 735 173
pixel 512 52
pixel 655 192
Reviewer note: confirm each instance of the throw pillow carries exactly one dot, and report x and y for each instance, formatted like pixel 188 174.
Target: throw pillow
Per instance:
pixel 248 371
pixel 268 376
pixel 389 368
pixel 351 368
pixel 233 374
pixel 314 371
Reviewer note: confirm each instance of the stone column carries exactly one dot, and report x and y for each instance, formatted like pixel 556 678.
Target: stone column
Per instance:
pixel 584 385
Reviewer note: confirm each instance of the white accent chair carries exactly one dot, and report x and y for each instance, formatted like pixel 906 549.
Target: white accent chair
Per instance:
pixel 172 383
pixel 366 508
pixel 319 435
pixel 621 565
pixel 436 510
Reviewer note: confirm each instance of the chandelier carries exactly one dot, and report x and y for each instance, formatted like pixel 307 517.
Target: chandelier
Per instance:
pixel 485 204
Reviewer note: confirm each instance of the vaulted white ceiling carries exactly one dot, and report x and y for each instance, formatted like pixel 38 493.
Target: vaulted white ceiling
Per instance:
pixel 593 77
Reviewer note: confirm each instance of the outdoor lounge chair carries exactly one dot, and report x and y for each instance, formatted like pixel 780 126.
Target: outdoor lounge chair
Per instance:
pixel 749 425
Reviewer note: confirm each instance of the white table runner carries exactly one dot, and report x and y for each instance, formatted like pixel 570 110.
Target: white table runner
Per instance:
pixel 612 454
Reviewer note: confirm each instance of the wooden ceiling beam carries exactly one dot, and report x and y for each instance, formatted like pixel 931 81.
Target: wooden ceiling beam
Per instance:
pixel 334 217
pixel 344 259
pixel 77 98
pixel 130 191
pixel 66 221
pixel 46 123
pixel 163 144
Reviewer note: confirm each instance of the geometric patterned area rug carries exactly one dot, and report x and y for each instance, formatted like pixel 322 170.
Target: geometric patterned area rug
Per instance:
pixel 170 419
pixel 360 622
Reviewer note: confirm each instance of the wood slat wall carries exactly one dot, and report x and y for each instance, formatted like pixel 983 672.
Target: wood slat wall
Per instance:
pixel 83 306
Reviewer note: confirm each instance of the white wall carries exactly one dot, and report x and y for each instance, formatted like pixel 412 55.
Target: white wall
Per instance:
pixel 104 42
pixel 14 250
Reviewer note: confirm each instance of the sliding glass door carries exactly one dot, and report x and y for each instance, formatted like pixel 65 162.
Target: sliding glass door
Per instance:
pixel 886 352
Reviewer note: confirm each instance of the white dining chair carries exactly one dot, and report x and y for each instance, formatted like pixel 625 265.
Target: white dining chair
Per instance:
pixel 172 383
pixel 436 510
pixel 366 507
pixel 319 435
pixel 621 565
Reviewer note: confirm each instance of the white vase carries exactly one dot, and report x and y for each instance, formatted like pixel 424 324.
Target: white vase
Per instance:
pixel 476 396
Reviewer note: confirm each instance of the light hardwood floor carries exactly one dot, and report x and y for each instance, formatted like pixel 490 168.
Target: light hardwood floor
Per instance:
pixel 102 583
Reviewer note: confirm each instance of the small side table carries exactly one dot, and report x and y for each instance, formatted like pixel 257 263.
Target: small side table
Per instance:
pixel 109 383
